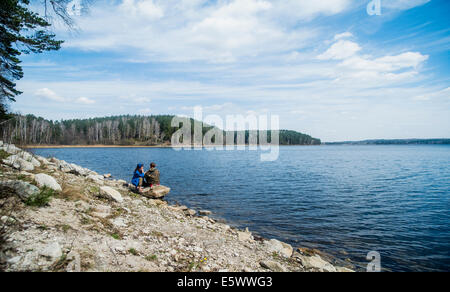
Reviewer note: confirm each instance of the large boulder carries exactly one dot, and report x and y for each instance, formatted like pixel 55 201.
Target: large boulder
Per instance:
pixel 279 247
pixel 244 235
pixel 11 149
pixel 23 189
pixel 317 263
pixel 155 192
pixel 18 163
pixel 111 194
pixel 42 160
pixel 51 251
pixel 95 178
pixel 63 166
pixel 44 180
pixel 29 158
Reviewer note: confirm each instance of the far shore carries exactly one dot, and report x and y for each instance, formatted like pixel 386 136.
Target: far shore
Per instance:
pixel 94 146
pixel 129 146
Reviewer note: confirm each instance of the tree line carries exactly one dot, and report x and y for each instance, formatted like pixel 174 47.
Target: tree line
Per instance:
pixel 115 130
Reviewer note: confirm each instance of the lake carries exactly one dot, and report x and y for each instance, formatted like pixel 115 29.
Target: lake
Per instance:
pixel 344 200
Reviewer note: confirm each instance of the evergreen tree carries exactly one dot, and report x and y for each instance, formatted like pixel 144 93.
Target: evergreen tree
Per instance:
pixel 21 32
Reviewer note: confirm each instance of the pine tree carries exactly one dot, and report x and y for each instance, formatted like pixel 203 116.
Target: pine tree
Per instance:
pixel 22 31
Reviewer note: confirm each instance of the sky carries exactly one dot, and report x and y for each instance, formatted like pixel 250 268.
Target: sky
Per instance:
pixel 327 68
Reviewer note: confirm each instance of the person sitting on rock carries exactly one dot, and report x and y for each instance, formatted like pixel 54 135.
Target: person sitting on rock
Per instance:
pixel 138 177
pixel 152 175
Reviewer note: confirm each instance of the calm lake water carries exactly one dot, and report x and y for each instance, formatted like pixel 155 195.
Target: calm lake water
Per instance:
pixel 344 200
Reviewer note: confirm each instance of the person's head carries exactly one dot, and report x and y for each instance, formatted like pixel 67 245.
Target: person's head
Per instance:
pixel 139 167
pixel 152 165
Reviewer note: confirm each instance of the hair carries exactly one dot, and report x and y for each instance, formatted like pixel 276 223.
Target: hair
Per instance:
pixel 139 166
pixel 152 165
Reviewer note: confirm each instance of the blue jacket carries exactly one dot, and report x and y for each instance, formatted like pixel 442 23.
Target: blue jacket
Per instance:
pixel 137 175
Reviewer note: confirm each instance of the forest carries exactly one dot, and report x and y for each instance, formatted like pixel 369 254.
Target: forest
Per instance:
pixel 116 130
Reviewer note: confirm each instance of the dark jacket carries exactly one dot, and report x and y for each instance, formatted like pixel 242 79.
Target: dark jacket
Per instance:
pixel 152 176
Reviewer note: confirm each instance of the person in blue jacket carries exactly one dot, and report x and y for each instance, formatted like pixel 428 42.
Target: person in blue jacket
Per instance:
pixel 138 177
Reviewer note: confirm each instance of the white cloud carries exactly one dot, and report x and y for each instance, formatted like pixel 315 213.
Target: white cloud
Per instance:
pixel 340 50
pixel 222 31
pixel 142 8
pixel 355 68
pixel 49 94
pixel 440 94
pixel 307 10
pixel 403 4
pixel 343 35
pixel 85 100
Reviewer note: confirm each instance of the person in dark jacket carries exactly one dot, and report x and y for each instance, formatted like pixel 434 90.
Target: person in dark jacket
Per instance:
pixel 152 175
pixel 138 177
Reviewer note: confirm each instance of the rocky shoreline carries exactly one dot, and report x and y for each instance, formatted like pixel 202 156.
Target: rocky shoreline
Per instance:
pixel 58 216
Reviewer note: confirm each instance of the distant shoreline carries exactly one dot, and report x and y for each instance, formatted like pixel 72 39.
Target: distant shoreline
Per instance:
pixel 93 146
pixel 128 146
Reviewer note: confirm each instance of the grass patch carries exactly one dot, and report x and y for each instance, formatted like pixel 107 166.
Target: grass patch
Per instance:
pixel 157 234
pixel 192 266
pixel 85 221
pixel 4 154
pixel 94 190
pixel 61 264
pixel 41 199
pixel 133 251
pixel 151 258
pixel 43 227
pixel 116 236
pixel 65 228
pixel 70 193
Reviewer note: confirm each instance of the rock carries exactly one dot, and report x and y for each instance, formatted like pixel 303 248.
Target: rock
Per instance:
pixel 244 236
pixel 11 149
pixel 95 178
pixel 190 212
pixel 7 220
pixel 108 175
pixel 111 194
pixel 308 251
pixel 14 260
pixel 29 158
pixel 204 213
pixel 42 160
pixel 78 170
pixel 25 165
pixel 344 270
pixel 27 174
pixel 12 161
pixel 71 168
pixel 316 262
pixel 279 247
pixel 51 251
pixel 273 266
pixel 35 162
pixel 119 222
pixel 74 262
pixel 155 192
pixel 23 189
pixel 18 163
pixel 44 180
pixel 102 211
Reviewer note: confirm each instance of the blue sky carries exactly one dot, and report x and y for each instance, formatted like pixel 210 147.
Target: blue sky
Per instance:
pixel 327 68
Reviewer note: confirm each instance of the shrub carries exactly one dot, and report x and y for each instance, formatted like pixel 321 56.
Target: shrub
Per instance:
pixel 4 154
pixel 41 199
